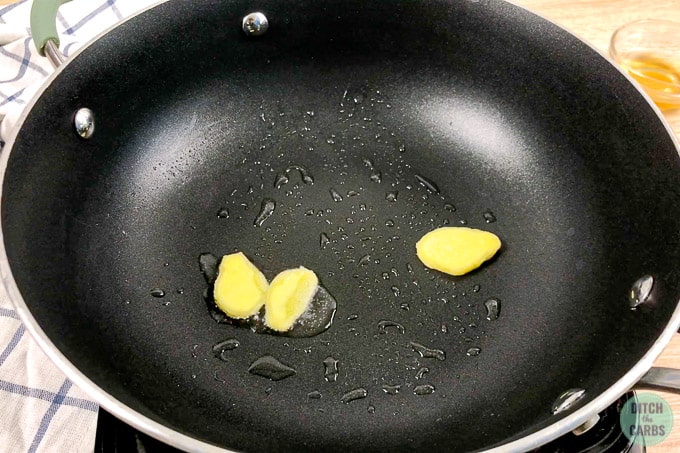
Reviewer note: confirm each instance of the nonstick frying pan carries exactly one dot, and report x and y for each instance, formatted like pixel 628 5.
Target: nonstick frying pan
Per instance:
pixel 407 116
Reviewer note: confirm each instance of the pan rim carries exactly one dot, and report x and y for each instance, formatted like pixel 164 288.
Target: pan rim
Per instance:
pixel 191 444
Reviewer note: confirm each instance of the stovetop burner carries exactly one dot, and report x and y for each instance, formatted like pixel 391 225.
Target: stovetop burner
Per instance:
pixel 114 436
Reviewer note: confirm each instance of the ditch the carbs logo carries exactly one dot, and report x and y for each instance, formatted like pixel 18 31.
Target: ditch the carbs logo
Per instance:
pixel 646 419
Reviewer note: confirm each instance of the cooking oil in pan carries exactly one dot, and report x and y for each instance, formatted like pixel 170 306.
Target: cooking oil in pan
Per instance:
pixel 269 367
pixel 221 349
pixel 391 389
pixel 267 208
pixel 493 308
pixel 428 353
pixel 330 365
pixel 360 244
pixel 384 325
pixel 355 394
pixel 424 389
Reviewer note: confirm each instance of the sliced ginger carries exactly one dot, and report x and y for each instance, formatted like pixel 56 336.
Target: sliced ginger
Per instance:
pixel 240 287
pixel 288 297
pixel 457 250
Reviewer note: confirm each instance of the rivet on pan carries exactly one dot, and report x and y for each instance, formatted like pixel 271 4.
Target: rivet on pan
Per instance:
pixel 587 426
pixel 640 292
pixel 255 24
pixel 567 399
pixel 84 122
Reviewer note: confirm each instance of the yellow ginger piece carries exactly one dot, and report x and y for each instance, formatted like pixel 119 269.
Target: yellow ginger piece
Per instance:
pixel 457 250
pixel 240 287
pixel 288 297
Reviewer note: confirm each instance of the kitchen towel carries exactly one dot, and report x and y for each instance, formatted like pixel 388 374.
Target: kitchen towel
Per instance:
pixel 40 408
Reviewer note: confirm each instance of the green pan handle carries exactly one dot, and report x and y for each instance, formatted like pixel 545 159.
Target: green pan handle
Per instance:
pixel 44 23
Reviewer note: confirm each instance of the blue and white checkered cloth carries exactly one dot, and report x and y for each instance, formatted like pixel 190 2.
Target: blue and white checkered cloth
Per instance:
pixel 40 409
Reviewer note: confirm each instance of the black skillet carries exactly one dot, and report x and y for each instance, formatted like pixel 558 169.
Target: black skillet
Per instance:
pixel 503 113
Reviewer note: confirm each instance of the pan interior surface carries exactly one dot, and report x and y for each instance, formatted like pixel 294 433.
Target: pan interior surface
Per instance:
pixel 523 130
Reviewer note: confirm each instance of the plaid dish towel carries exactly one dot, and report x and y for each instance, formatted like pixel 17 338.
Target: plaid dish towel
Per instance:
pixel 40 409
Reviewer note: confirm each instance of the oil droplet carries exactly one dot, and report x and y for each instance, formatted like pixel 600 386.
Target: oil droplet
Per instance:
pixel 493 309
pixel 640 292
pixel 364 260
pixel 314 395
pixel 335 195
pixel 567 399
pixel 220 348
pixel 323 240
pixel 219 379
pixel 330 369
pixel 383 325
pixel 391 389
pixel 427 183
pixel 376 176
pixel 428 353
pixel 215 313
pixel 425 389
pixel 270 368
pixel 266 210
pixel 306 177
pixel 473 352
pixel 223 213
pixel 392 196
pixel 449 207
pixel 280 180
pixel 422 372
pixel 157 292
pixel 371 409
pixel 389 223
pixel 489 217
pixel 395 291
pixel 356 394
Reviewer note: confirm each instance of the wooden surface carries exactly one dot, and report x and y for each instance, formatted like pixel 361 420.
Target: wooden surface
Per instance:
pixel 595 21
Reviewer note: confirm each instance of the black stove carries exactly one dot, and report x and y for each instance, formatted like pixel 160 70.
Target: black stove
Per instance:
pixel 114 436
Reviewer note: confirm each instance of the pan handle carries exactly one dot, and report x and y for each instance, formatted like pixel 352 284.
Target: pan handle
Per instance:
pixel 663 378
pixel 44 29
